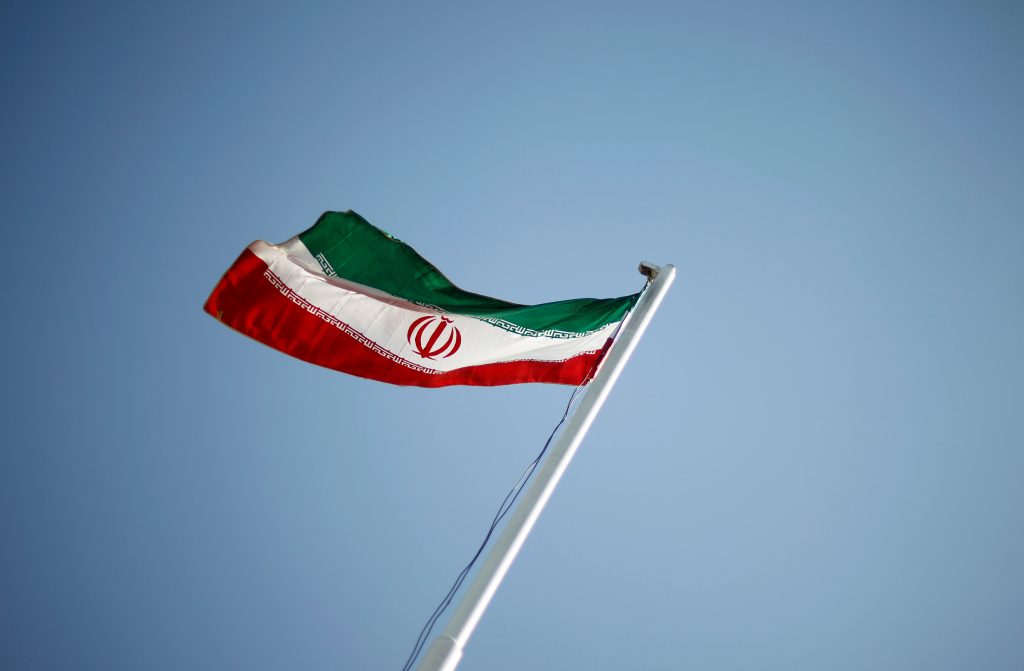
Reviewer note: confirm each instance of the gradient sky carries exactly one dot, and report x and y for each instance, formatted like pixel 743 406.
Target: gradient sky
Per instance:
pixel 815 459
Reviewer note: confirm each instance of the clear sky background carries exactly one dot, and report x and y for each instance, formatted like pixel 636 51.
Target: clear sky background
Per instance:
pixel 815 459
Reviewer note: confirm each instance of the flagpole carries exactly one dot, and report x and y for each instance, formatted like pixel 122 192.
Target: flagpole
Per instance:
pixel 446 650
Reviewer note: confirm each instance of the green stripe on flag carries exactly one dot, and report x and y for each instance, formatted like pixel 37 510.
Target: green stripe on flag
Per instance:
pixel 356 250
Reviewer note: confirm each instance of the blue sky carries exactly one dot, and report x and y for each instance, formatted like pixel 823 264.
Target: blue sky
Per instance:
pixel 814 460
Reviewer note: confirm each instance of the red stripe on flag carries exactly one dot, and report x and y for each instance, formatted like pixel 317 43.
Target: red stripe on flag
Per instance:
pixel 245 300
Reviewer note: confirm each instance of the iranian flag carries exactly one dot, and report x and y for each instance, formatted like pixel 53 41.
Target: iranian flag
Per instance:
pixel 348 296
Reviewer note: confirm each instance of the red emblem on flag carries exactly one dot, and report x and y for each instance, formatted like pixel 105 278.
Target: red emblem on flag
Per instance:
pixel 429 342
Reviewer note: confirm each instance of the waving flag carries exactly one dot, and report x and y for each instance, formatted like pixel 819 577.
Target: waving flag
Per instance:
pixel 348 296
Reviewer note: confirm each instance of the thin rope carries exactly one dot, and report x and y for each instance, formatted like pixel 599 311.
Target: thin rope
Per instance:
pixel 503 509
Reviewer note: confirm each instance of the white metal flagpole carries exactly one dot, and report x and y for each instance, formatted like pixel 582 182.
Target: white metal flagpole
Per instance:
pixel 446 650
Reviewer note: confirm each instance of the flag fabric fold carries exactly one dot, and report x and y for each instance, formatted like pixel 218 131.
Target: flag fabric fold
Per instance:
pixel 350 297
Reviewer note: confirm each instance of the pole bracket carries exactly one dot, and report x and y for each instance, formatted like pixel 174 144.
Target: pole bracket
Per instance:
pixel 649 270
